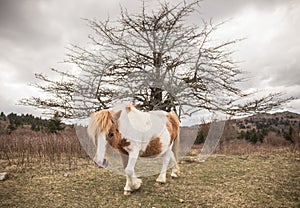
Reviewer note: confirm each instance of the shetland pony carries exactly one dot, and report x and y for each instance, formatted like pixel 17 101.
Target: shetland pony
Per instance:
pixel 136 134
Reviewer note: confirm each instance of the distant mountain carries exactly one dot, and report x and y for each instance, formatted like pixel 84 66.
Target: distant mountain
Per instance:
pixel 284 127
pixel 278 122
pixel 264 127
pixel 278 128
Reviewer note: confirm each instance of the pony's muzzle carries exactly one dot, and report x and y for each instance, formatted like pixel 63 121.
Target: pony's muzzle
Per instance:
pixel 102 164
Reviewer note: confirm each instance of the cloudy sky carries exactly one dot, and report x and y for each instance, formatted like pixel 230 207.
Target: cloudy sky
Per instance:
pixel 34 35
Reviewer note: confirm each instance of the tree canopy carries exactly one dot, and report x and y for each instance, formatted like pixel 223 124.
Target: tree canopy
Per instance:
pixel 156 59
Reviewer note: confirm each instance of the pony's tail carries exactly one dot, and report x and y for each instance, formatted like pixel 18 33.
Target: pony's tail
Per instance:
pixel 174 120
pixel 175 147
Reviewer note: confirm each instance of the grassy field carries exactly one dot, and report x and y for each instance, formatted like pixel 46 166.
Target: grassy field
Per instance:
pixel 252 180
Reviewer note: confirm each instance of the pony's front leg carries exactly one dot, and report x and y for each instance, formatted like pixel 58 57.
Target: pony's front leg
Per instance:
pixel 132 182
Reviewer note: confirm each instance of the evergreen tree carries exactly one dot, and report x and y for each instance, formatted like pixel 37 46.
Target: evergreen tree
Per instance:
pixel 55 124
pixel 200 137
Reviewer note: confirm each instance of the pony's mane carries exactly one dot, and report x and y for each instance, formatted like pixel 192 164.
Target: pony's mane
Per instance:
pixel 100 121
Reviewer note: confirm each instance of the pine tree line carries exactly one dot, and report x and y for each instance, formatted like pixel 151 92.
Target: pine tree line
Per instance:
pixel 15 121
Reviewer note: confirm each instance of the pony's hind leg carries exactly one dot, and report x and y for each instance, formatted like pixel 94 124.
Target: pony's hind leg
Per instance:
pixel 175 168
pixel 166 159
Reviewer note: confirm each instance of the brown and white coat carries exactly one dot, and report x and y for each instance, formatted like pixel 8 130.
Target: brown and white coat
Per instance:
pixel 136 134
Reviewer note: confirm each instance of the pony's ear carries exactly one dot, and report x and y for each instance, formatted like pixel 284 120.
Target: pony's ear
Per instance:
pixel 117 115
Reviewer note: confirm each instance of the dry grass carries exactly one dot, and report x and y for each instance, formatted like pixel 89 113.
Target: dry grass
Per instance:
pixel 27 148
pixel 222 181
pixel 53 171
pixel 242 147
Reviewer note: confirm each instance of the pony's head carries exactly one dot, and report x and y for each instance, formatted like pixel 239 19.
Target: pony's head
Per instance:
pixel 103 129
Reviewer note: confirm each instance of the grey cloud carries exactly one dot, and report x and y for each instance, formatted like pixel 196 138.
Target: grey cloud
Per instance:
pixel 271 51
pixel 226 9
pixel 34 34
pixel 24 25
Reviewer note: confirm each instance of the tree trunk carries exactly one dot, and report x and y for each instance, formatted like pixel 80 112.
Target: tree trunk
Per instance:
pixel 156 98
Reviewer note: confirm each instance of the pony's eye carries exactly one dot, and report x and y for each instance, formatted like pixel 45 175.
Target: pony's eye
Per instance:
pixel 110 135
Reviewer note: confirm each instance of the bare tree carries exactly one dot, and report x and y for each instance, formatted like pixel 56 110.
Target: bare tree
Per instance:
pixel 155 59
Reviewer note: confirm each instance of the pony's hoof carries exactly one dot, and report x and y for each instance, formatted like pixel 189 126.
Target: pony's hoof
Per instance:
pixel 174 175
pixel 158 184
pixel 137 185
pixel 127 193
pixel 161 180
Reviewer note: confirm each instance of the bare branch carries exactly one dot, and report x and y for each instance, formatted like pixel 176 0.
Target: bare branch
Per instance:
pixel 155 59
